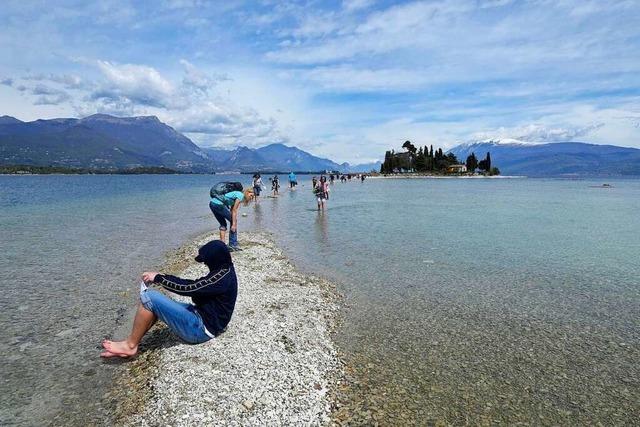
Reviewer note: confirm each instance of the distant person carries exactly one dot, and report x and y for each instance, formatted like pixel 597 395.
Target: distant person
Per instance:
pixel 225 206
pixel 322 192
pixel 331 178
pixel 213 297
pixel 275 185
pixel 293 181
pixel 257 186
pixel 362 177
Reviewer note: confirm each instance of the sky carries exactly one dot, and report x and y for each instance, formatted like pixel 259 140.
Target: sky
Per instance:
pixel 346 79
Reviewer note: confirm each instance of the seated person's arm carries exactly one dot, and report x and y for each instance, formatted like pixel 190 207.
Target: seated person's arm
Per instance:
pixel 207 285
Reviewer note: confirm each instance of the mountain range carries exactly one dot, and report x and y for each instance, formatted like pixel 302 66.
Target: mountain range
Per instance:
pixel 558 159
pixel 280 158
pixel 101 142
pixel 109 143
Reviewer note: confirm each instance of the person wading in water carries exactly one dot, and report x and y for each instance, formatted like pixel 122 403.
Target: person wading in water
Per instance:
pixel 322 192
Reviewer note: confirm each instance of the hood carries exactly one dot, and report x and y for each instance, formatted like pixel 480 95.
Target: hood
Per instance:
pixel 214 255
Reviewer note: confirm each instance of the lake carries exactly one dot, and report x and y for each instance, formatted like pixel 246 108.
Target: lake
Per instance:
pixel 466 300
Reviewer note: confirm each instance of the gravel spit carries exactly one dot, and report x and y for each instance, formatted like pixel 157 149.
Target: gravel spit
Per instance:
pixel 275 365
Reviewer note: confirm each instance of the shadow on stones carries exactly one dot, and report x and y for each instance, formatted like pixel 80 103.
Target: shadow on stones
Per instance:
pixel 158 338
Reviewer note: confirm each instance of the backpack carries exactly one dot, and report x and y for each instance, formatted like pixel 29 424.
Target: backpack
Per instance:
pixel 224 187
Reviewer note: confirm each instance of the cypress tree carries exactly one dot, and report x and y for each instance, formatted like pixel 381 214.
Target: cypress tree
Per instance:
pixel 472 162
pixel 488 160
pixel 420 161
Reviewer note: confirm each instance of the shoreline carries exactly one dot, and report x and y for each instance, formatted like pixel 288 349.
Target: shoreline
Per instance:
pixel 276 363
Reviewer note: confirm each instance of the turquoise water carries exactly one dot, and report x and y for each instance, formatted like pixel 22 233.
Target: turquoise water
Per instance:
pixel 465 300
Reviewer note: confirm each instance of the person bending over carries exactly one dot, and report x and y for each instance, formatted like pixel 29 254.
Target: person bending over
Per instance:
pixel 213 297
pixel 225 208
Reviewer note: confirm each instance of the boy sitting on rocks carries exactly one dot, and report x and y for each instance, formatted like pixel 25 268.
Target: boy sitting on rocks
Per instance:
pixel 213 296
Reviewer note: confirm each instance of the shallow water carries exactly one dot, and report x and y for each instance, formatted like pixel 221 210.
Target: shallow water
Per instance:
pixel 466 300
pixel 480 301
pixel 71 253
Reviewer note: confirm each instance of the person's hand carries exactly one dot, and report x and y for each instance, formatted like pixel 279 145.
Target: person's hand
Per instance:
pixel 149 276
pixel 234 228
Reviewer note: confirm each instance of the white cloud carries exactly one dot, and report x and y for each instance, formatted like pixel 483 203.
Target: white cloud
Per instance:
pixel 346 77
pixel 138 83
pixel 537 132
pixel 353 5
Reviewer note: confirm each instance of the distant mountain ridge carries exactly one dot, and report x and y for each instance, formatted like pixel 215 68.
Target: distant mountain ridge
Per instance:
pixel 99 141
pixel 106 142
pixel 279 158
pixel 558 159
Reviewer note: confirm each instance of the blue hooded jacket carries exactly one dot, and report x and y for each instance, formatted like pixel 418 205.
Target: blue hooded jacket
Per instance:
pixel 213 295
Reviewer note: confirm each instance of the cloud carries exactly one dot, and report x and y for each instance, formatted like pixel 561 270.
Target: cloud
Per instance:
pixel 192 105
pixel 537 132
pixel 349 78
pixel 136 83
pixel 56 99
pixel 353 5
pixel 197 80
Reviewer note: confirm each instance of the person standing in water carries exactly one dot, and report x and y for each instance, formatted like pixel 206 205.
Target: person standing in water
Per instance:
pixel 213 296
pixel 275 185
pixel 322 192
pixel 314 182
pixel 257 186
pixel 293 181
pixel 225 208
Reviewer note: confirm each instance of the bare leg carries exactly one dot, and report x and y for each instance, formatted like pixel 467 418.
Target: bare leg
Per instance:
pixel 223 235
pixel 129 347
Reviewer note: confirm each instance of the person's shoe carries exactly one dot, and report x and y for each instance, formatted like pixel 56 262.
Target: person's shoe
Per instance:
pixel 234 248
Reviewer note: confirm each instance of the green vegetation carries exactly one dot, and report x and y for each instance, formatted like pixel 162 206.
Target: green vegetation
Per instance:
pixel 426 160
pixel 45 170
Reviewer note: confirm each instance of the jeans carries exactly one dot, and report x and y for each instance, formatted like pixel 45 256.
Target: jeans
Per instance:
pixel 223 214
pixel 181 318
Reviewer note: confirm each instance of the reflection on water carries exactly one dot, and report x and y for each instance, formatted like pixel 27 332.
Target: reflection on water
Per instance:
pixel 322 230
pixel 257 212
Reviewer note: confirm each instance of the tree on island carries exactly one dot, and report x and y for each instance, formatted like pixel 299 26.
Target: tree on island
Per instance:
pixel 426 159
pixel 409 147
pixel 421 161
pixel 472 163
pixel 485 165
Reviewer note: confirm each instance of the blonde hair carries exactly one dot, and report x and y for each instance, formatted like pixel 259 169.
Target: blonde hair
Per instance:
pixel 248 195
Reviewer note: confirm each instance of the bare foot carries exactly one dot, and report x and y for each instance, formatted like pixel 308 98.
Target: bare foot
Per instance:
pixel 119 348
pixel 107 354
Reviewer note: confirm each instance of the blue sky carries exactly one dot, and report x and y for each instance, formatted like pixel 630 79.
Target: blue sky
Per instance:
pixel 342 79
